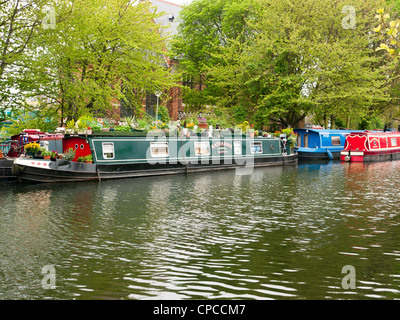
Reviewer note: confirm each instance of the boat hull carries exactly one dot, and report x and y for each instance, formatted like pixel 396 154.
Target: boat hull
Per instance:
pixel 6 170
pixel 369 156
pixel 62 171
pixel 315 154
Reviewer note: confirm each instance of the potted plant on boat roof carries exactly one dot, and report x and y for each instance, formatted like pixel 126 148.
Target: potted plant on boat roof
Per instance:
pixel 69 155
pixel 81 159
pixel 70 127
pixel 203 123
pixel 1 154
pixel 81 127
pixel 31 148
pixel 88 159
pixel 96 127
pixel 54 155
pixel 46 154
pixel 106 124
pixel 244 126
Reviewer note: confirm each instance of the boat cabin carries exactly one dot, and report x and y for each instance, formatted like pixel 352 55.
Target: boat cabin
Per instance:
pixel 370 146
pixel 320 143
pixel 51 141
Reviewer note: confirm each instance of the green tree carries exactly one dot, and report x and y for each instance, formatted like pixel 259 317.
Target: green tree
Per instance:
pixel 206 29
pixel 289 59
pixel 99 53
pixel 18 22
pixel 309 63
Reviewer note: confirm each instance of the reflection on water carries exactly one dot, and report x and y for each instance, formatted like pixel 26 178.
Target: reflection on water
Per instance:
pixel 280 233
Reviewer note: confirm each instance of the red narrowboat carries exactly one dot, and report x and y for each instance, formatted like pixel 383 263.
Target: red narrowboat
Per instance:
pixel 14 147
pixel 371 146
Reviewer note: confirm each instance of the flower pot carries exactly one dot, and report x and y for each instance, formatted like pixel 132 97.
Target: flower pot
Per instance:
pixel 88 161
pixel 203 125
pixel 1 155
pixel 70 131
pixel 46 157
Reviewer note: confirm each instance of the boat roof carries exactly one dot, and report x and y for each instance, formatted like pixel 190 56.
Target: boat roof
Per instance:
pixel 329 130
pixel 376 133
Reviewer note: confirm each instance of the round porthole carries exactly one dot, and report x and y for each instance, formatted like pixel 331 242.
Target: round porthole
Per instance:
pixel 76 147
pixel 272 147
pixel 82 146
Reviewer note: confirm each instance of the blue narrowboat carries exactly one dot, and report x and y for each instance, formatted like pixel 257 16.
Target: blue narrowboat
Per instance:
pixel 320 144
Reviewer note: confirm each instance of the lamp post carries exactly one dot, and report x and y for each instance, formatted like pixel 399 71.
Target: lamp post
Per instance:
pixel 158 94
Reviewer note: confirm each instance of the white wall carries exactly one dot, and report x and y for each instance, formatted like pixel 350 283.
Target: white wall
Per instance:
pixel 170 9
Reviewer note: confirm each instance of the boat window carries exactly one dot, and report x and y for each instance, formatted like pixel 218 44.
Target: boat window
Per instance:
pixel 108 150
pixel 335 140
pixel 202 148
pixel 159 149
pixel 306 141
pixel 394 142
pixel 237 147
pixel 255 147
pixel 299 141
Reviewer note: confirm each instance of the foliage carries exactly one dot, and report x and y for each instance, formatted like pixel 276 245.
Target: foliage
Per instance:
pixel 290 136
pixel 284 60
pixel 206 27
pixel 244 126
pixel 46 153
pixel 70 124
pixel 123 128
pixel 19 21
pixel 130 121
pixel 43 119
pixel 69 155
pixel 163 113
pixel 97 55
pixel 96 127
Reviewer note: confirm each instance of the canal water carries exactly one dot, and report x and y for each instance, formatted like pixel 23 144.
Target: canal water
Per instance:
pixel 279 233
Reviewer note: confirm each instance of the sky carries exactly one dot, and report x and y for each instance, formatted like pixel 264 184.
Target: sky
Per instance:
pixel 180 2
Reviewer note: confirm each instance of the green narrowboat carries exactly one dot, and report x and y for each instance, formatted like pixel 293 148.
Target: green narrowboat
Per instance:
pixel 129 156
